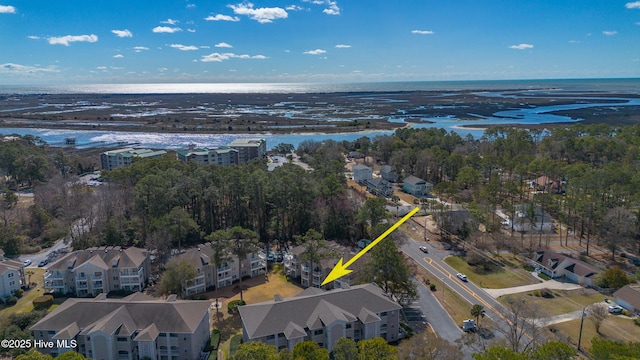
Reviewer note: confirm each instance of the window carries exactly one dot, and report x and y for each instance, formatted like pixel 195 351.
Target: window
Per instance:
pixel 281 335
pixel 173 335
pixel 10 275
pixel 317 332
pixel 384 313
pixel 348 326
pixel 271 337
pixel 121 339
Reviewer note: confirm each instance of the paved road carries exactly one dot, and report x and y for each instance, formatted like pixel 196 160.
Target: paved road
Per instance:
pixel 433 261
pixel 36 258
pixel 549 284
pixel 436 315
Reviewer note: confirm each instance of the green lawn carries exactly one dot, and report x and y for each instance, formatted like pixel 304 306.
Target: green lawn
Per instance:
pixel 24 303
pixel 502 277
pixel 562 302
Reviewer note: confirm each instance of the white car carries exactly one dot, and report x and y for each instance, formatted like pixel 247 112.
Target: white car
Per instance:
pixel 461 276
pixel 424 249
pixel 26 262
pixel 615 309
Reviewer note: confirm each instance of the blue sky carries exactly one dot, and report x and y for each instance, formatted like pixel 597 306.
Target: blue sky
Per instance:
pixel 52 42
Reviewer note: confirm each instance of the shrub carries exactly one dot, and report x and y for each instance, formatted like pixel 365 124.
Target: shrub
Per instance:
pixel 19 293
pixel 626 312
pixel 546 293
pixel 214 342
pixel 236 340
pixel 232 307
pixel 432 287
pixel 536 293
pixel 12 301
pixel 636 321
pixel 42 302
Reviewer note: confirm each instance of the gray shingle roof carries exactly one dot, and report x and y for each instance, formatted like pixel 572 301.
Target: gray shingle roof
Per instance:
pixel 126 316
pixel 105 257
pixel 273 317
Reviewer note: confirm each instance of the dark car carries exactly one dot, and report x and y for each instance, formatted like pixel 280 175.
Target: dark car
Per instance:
pixel 270 257
pixel 43 263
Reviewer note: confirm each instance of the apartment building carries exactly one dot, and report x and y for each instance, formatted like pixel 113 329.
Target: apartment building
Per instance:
pixel 210 276
pixel 131 328
pixel 114 159
pixel 11 276
pixel 359 313
pixel 301 271
pixel 249 149
pixel 222 156
pixel 99 270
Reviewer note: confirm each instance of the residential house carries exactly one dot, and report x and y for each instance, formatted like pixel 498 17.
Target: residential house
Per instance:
pixel 222 156
pixel 355 155
pixel 629 298
pixel 557 265
pixel 214 276
pixel 301 270
pixel 134 327
pixel 530 218
pixel 362 173
pixel 11 276
pixel 249 149
pixel 546 184
pixel 387 173
pixel 359 312
pixel 99 270
pixel 114 159
pixel 416 186
pixel 380 187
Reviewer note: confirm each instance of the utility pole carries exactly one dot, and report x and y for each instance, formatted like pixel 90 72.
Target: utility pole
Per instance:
pixel 581 322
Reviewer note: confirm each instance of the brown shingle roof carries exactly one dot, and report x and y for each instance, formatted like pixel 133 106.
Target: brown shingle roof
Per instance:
pixel 630 294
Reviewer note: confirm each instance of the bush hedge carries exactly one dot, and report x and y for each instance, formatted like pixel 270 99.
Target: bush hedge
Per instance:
pixel 214 342
pixel 42 302
pixel 235 343
pixel 12 301
pixel 233 306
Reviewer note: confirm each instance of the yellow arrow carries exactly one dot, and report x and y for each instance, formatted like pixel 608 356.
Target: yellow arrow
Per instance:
pixel 340 270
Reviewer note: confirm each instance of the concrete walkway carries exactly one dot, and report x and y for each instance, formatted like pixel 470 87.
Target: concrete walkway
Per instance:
pixel 549 284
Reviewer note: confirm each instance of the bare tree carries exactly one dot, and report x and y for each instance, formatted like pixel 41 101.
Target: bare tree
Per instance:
pixel 598 314
pixel 525 325
pixel 428 346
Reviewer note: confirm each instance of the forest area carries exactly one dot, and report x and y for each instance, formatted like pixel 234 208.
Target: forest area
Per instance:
pixel 593 189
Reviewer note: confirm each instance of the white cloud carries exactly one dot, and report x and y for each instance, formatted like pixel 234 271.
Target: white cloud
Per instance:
pixel 609 32
pixel 17 69
pixel 218 57
pixel 122 33
pixel 422 32
pixel 521 46
pixel 633 5
pixel 294 8
pixel 170 22
pixel 223 45
pixel 638 23
pixel 166 29
pixel 140 48
pixel 261 15
pixel 315 52
pixel 574 41
pixel 191 30
pixel 7 9
pixel 33 37
pixel 333 8
pixel 220 17
pixel 205 47
pixel 101 67
pixel 118 56
pixel 342 46
pixel 184 47
pixel 191 6
pixel 65 40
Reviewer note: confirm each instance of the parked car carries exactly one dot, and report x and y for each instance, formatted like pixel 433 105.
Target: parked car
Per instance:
pixel 424 249
pixel 26 262
pixel 270 257
pixel 469 325
pixel 461 276
pixel 43 263
pixel 615 309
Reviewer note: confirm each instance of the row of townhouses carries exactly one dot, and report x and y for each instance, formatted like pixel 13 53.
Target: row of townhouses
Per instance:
pixel 300 270
pixel 359 313
pixel 99 270
pixel 239 151
pixel 211 275
pixel 11 276
pixel 131 328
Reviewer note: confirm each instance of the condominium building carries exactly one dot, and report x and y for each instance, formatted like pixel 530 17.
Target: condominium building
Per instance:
pixel 99 270
pixel 210 275
pixel 301 270
pixel 11 276
pixel 223 156
pixel 134 327
pixel 114 159
pixel 359 312
pixel 249 149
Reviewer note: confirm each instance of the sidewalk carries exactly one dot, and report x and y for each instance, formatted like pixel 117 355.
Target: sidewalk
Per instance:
pixel 549 284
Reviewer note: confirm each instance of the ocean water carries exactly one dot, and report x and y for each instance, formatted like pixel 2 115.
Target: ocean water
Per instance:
pixel 570 85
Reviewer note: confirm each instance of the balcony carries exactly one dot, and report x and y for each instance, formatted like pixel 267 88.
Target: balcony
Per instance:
pixel 305 268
